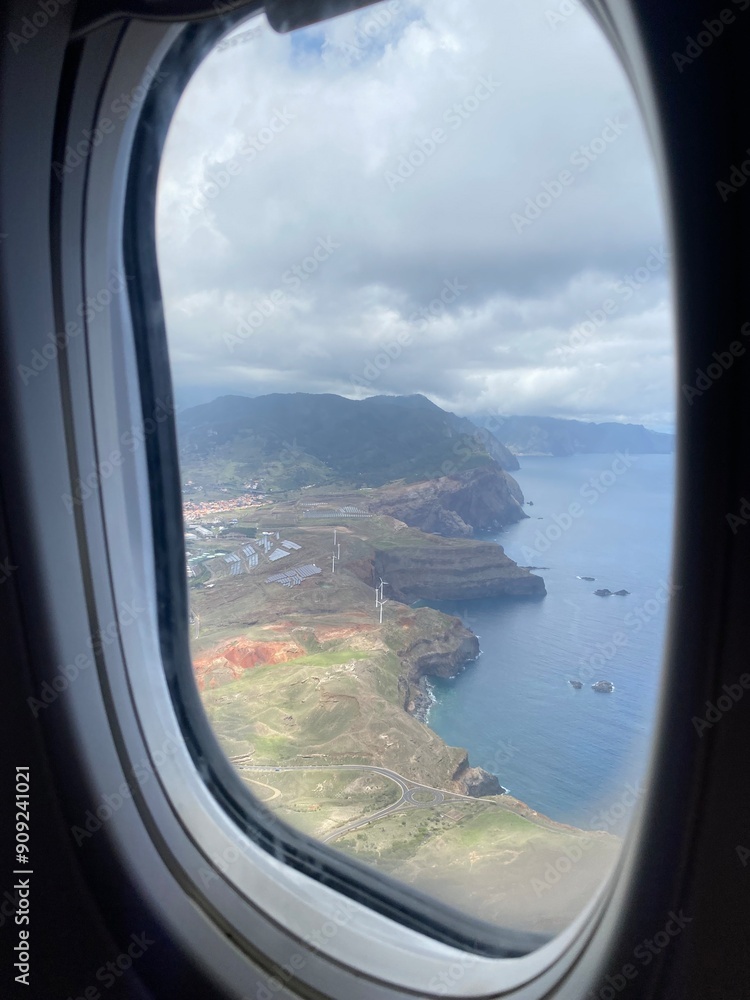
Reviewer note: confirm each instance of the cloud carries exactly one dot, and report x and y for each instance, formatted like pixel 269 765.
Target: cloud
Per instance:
pixel 422 142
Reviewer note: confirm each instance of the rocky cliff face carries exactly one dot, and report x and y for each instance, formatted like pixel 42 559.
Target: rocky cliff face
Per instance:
pixel 432 645
pixel 455 506
pixel 475 781
pixel 440 654
pixel 454 572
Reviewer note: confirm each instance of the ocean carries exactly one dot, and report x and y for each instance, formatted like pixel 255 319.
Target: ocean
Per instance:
pixel 575 755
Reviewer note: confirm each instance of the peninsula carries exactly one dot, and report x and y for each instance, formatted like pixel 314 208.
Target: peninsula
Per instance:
pixel 313 644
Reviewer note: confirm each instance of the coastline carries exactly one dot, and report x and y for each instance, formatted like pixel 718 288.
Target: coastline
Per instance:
pixel 423 705
pixel 572 752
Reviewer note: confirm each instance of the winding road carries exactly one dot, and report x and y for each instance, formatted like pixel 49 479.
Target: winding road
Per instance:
pixel 407 786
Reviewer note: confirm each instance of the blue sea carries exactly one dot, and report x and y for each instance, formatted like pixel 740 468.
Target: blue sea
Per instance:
pixel 571 754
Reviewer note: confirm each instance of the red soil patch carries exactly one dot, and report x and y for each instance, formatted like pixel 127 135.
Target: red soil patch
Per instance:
pixel 228 661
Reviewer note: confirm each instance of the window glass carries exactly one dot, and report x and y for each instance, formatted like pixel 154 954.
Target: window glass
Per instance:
pixel 417 290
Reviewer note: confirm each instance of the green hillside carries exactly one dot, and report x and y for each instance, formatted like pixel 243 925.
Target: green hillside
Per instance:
pixel 285 441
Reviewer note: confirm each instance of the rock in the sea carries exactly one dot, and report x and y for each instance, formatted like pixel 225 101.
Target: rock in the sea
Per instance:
pixel 590 579
pixel 609 593
pixel 604 593
pixel 479 782
pixel 603 687
pixel 576 684
pixel 475 781
pixel 622 593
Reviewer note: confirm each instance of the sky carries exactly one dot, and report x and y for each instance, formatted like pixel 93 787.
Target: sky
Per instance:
pixel 452 197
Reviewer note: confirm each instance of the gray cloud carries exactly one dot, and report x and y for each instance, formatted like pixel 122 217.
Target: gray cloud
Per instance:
pixel 356 167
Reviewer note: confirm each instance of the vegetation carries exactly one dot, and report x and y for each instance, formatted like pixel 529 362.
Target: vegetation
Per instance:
pixel 307 678
pixel 293 440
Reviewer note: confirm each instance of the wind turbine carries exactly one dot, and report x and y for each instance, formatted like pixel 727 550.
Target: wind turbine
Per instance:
pixel 379 602
pixel 336 554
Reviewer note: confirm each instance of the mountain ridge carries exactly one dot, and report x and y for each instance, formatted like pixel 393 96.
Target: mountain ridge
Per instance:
pixel 295 439
pixel 558 437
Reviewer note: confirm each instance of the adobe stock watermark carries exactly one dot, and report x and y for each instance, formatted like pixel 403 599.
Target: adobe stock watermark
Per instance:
pixel 591 491
pixel 647 611
pixel 111 803
pixel 462 450
pixel 222 863
pixel 68 673
pixel 109 973
pixel 721 362
pixel 601 822
pixel 30 26
pixel 625 289
pixel 634 621
pixel 287 462
pixel 77 152
pixel 249 35
pixel 490 433
pixel 341 916
pixel 644 953
pixel 7 569
pixel 293 278
pixel 711 29
pixel 562 13
pixel 738 177
pixel 454 118
pixel 227 6
pixel 448 980
pixel 365 30
pixel 316 939
pixel 581 158
pixel 8 906
pixel 130 440
pixel 504 752
pixel 715 711
pixel 251 146
pixel 741 519
pixel 87 310
pixel 420 320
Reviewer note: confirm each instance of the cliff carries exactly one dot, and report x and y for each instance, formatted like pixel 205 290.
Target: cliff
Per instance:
pixel 434 645
pixel 475 781
pixel 453 572
pixel 442 653
pixel 457 505
pixel 321 675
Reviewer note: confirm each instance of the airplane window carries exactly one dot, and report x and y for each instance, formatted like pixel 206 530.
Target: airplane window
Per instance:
pixel 417 295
